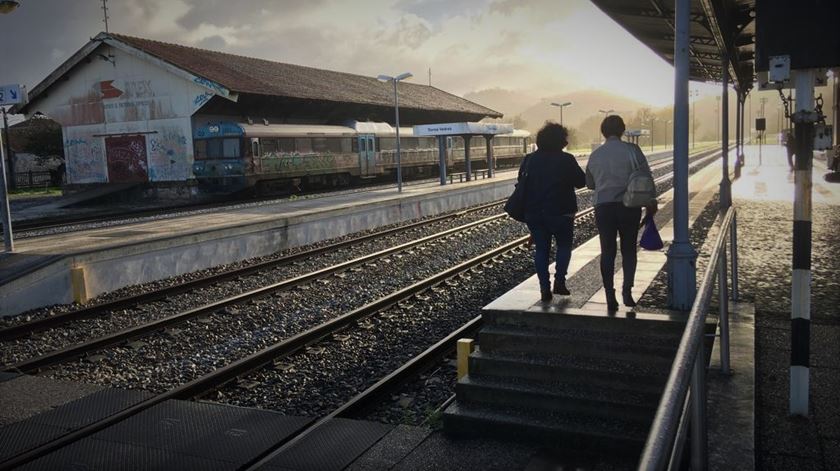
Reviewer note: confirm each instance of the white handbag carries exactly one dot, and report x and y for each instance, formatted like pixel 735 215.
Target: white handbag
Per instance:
pixel 641 191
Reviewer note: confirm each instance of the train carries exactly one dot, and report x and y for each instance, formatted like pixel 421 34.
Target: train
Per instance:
pixel 287 158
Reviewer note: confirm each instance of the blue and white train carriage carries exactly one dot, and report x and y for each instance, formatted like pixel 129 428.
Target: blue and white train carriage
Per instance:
pixel 292 157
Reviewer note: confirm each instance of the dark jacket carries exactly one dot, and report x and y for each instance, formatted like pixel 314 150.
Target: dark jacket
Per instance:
pixel 550 189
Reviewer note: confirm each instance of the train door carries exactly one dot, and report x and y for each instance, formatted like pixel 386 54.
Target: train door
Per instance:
pixel 367 154
pixel 126 156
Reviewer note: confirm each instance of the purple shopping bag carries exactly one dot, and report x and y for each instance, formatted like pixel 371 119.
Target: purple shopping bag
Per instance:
pixel 650 236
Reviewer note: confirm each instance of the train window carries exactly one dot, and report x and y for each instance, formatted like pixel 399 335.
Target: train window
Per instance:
pixel 338 145
pixel 364 144
pixel 286 145
pixel 354 145
pixel 303 145
pixel 346 145
pixel 387 143
pixel 255 148
pixel 319 144
pixel 200 149
pixel 231 148
pixel 269 146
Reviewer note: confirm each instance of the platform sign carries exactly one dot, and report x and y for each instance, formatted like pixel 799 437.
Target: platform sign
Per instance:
pixel 10 95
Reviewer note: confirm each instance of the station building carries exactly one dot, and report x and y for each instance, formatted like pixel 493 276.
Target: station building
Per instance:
pixel 131 108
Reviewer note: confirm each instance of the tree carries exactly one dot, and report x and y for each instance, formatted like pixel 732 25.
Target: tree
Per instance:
pixel 519 123
pixel 39 136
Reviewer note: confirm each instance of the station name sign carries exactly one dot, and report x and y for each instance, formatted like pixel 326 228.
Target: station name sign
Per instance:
pixel 456 129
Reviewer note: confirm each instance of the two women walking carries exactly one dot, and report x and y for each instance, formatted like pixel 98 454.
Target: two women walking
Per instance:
pixel 552 177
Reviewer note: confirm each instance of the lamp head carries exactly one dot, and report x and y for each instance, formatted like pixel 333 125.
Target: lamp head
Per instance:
pixel 403 76
pixel 6 6
pixel 384 78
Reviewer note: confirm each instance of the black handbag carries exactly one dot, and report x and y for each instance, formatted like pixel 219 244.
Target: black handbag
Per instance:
pixel 515 205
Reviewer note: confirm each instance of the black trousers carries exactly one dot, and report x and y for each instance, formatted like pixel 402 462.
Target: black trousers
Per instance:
pixel 616 219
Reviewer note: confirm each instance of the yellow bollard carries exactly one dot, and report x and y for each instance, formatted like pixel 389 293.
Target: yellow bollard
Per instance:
pixel 465 347
pixel 78 284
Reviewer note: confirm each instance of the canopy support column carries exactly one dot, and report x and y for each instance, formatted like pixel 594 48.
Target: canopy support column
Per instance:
pixel 467 163
pixel 442 158
pixel 682 275
pixel 491 161
pixel 725 184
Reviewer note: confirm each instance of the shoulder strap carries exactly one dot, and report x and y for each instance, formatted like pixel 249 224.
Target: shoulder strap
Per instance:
pixel 634 159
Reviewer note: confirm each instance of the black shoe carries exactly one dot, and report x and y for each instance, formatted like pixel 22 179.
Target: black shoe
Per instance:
pixel 627 297
pixel 612 303
pixel 545 295
pixel 560 288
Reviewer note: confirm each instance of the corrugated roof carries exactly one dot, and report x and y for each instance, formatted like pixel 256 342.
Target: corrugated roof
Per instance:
pixel 242 74
pixel 716 26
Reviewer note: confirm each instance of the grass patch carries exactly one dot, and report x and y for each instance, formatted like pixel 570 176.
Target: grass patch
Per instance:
pixel 34 192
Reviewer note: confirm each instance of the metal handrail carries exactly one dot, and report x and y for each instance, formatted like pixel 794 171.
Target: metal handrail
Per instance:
pixel 688 368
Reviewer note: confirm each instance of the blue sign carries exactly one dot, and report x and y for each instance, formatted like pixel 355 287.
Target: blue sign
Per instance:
pixel 10 95
pixel 220 129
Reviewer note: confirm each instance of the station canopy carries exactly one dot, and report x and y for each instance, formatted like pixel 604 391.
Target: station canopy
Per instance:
pixel 462 129
pixel 716 25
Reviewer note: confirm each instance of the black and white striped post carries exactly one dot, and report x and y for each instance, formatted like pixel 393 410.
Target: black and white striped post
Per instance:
pixel 800 313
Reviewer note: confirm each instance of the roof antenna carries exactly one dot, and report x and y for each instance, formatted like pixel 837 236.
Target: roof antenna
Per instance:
pixel 105 14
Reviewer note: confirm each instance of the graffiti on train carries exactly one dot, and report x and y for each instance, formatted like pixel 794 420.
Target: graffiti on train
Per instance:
pixel 284 162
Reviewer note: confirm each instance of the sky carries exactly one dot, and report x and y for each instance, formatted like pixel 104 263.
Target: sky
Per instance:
pixel 535 47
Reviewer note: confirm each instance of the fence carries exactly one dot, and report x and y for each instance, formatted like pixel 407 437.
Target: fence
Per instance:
pixel 680 407
pixel 32 179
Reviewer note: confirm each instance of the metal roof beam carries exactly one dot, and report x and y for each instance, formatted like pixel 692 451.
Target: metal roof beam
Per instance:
pixel 696 17
pixel 658 7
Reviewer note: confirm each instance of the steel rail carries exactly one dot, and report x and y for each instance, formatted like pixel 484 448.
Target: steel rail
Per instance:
pixel 687 363
pixel 223 375
pixel 74 351
pixel 27 328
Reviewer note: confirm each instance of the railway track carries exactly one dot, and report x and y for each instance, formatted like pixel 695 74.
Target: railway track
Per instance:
pixel 219 377
pixel 73 351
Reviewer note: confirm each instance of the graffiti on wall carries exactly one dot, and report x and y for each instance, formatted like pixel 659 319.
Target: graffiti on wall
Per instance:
pixel 201 99
pixel 85 160
pixel 211 85
pixel 169 155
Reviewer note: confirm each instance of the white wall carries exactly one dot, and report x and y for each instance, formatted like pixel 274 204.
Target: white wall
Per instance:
pixel 130 96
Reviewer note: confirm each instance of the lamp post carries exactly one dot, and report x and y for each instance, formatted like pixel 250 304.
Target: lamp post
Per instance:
pixel 652 120
pixel 693 93
pixel 667 123
pixel 561 106
pixel 717 119
pixel 388 78
pixel 6 6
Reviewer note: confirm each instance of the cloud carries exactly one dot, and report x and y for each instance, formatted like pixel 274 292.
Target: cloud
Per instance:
pixel 410 31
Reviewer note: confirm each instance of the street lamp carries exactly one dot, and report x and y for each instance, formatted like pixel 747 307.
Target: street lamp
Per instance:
pixel 388 78
pixel 561 106
pixel 652 120
pixel 693 93
pixel 667 125
pixel 6 6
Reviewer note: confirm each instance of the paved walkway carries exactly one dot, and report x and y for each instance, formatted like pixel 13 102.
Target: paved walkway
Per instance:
pixel 764 197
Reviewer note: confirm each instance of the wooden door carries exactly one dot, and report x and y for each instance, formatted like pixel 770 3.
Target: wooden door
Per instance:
pixel 126 157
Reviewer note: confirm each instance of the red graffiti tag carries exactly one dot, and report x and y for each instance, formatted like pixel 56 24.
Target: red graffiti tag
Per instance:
pixel 109 90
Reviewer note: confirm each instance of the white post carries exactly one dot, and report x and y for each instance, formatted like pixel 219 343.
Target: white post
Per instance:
pixel 801 289
pixel 725 185
pixel 397 119
pixel 8 238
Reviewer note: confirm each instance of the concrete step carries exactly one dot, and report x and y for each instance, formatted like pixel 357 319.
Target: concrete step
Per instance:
pixel 569 398
pixel 580 435
pixel 627 347
pixel 652 325
pixel 577 369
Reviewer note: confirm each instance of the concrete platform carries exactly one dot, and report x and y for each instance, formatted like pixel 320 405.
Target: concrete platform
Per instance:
pixel 38 274
pixel 526 296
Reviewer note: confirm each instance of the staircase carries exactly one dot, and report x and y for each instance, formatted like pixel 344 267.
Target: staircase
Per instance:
pixel 573 381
